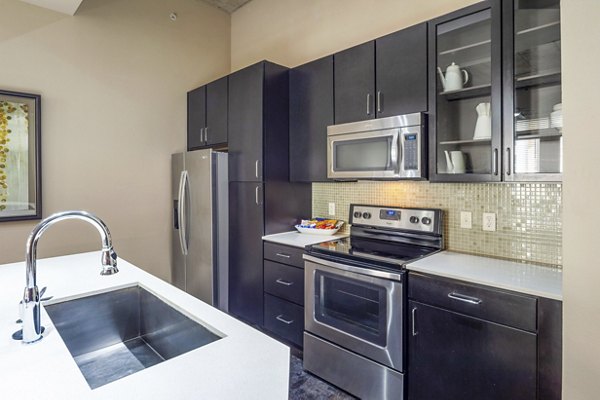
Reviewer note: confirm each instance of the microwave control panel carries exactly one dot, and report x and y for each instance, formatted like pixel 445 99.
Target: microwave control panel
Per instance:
pixel 411 151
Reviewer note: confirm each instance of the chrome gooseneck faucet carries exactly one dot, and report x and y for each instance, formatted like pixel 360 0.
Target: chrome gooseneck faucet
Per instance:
pixel 32 329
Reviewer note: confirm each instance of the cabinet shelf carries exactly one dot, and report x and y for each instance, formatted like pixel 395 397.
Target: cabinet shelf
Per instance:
pixel 466 47
pixel 550 133
pixel 541 79
pixel 467 93
pixel 466 141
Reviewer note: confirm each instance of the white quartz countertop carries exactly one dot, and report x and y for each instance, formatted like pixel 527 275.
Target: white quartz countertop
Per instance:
pixel 525 278
pixel 244 364
pixel 297 239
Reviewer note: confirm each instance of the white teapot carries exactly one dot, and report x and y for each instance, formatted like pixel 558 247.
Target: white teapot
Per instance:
pixel 455 78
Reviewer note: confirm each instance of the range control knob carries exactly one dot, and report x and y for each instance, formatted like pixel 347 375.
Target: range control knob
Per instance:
pixel 366 215
pixel 426 221
pixel 415 220
pixel 357 214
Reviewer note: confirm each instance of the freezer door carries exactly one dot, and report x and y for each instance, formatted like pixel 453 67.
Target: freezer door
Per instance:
pixel 177 256
pixel 199 262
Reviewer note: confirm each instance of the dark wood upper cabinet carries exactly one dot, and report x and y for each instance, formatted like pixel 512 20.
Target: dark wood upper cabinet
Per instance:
pixel 311 111
pixel 216 112
pixel 401 72
pixel 258 120
pixel 354 83
pixel 196 114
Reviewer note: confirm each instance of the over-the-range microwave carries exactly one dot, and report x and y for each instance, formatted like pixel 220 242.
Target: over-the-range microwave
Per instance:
pixel 385 148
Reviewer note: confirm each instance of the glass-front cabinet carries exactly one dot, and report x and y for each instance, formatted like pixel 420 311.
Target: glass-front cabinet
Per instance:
pixel 533 145
pixel 465 97
pixel 495 93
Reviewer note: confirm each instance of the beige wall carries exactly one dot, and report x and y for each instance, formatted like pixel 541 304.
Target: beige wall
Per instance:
pixel 580 61
pixel 291 32
pixel 113 81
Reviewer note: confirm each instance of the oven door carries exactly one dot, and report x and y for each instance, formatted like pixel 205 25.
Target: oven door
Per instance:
pixel 373 154
pixel 356 311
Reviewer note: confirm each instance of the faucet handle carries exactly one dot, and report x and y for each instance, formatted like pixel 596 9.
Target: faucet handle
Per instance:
pixel 109 262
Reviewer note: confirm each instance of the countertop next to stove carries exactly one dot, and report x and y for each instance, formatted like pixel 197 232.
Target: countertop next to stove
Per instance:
pixel 301 240
pixel 525 278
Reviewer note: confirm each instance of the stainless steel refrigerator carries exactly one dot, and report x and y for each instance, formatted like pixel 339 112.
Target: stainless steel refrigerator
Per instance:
pixel 200 223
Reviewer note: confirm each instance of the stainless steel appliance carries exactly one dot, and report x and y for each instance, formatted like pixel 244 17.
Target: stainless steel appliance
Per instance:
pixel 199 232
pixel 384 148
pixel 355 298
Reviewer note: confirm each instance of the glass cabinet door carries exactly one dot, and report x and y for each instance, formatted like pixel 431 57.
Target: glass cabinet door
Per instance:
pixel 532 97
pixel 467 85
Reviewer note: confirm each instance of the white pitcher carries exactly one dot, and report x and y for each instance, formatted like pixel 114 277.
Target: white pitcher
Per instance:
pixel 483 126
pixel 455 162
pixel 453 80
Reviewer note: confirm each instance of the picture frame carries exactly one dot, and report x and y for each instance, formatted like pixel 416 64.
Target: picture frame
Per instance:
pixel 20 156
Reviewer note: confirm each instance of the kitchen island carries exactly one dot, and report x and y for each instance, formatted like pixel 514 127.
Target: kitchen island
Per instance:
pixel 244 363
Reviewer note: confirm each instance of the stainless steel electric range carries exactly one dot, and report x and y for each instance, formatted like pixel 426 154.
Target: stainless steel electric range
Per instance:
pixel 355 298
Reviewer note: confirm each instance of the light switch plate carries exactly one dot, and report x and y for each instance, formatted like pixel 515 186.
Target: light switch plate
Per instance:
pixel 489 222
pixel 466 220
pixel 331 209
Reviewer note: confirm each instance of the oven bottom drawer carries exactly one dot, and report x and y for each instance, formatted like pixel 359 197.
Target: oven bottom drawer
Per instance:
pixel 284 319
pixel 353 373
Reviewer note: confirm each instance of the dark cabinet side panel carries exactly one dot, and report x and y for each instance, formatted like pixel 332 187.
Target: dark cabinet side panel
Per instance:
pixel 354 83
pixel 246 251
pixel 246 124
pixel 401 72
pixel 311 111
pixel 285 204
pixel 196 113
pixel 216 111
pixel 452 356
pixel 276 162
pixel 550 349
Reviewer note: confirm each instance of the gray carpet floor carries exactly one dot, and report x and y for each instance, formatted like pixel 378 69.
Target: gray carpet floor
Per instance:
pixel 305 386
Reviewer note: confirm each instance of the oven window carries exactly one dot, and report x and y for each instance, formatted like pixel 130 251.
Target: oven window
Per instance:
pixel 371 154
pixel 352 306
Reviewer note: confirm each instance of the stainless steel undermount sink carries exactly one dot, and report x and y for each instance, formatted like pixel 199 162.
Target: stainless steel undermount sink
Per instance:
pixel 118 333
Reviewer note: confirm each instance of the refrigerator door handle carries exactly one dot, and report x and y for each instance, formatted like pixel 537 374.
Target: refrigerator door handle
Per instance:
pixel 183 179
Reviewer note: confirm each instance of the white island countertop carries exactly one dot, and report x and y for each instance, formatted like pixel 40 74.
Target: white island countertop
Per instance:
pixel 244 364
pixel 301 240
pixel 525 278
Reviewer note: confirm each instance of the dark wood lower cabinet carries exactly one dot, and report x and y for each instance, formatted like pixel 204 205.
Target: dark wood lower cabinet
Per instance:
pixel 453 356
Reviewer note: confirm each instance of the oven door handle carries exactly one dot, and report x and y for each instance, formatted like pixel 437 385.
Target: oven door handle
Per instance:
pixel 357 270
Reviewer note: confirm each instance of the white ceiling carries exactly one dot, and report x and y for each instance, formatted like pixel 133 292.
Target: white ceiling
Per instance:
pixel 63 6
pixel 227 5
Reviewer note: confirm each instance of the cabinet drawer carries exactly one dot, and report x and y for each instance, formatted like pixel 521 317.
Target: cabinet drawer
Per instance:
pixel 284 254
pixel 284 281
pixel 512 309
pixel 284 319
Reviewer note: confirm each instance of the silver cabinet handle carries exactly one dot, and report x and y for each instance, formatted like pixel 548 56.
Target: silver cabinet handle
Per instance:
pixel 368 103
pixel 379 101
pixel 282 255
pixel 285 321
pixel 414 324
pixel 464 298
pixel 508 161
pixel 256 196
pixel 256 164
pixel 206 134
pixel 284 282
pixel 495 161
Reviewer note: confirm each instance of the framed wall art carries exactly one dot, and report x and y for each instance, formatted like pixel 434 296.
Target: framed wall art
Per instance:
pixel 20 156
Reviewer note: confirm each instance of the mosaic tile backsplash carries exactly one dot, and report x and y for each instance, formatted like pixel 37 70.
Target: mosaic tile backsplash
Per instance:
pixel 528 215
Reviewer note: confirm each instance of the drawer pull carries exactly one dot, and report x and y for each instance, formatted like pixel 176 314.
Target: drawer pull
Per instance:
pixel 414 321
pixel 283 255
pixel 284 282
pixel 285 321
pixel 462 297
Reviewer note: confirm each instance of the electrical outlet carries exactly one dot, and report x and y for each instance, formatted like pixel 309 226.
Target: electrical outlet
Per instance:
pixel 489 222
pixel 332 209
pixel 466 220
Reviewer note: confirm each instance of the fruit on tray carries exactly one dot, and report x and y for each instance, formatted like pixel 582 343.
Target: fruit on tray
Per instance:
pixel 319 223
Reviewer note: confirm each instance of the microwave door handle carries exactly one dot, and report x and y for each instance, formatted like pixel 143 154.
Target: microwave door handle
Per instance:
pixel 395 152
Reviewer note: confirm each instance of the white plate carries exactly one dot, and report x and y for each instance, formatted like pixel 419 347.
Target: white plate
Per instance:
pixel 322 232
